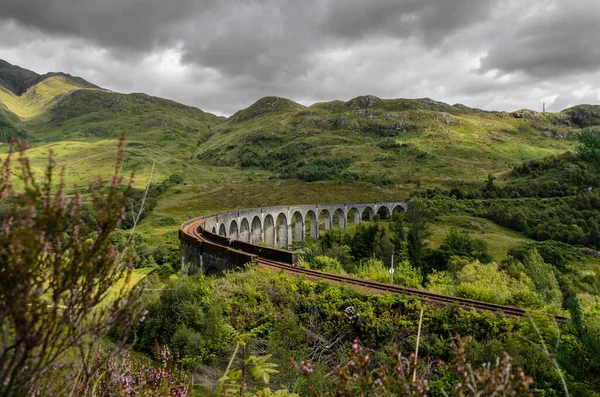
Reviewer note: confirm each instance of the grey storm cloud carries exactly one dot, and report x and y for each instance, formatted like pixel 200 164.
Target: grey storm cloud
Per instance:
pixel 221 55
pixel 557 41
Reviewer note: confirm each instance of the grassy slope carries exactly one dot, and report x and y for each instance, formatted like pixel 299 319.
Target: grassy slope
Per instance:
pixel 82 126
pixel 446 143
pixel 499 239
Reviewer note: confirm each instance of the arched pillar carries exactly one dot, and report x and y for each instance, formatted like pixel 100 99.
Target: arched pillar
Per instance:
pixel 222 230
pixel 313 224
pixel 282 230
pixel 299 227
pixel 398 208
pixel 245 230
pixel 256 232
pixel 269 230
pixel 341 218
pixel 367 214
pixel 384 212
pixel 326 219
pixel 233 230
pixel 353 215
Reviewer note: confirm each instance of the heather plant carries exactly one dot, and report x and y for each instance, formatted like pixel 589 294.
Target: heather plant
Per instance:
pixel 58 292
pixel 118 375
pixel 363 376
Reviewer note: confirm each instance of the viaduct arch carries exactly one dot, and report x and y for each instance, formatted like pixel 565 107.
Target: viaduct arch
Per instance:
pixel 282 225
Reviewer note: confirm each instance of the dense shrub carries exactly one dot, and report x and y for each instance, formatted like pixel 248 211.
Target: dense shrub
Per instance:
pixel 485 282
pixel 188 318
pixel 317 322
pixel 58 293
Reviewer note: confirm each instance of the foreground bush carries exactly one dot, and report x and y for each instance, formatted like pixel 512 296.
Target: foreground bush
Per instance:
pixel 58 277
pixel 117 375
pixel 361 376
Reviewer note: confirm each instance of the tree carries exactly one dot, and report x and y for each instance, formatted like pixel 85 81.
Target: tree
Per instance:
pixel 542 275
pixel 362 241
pixel 589 150
pixel 55 278
pixel 579 353
pixel 399 235
pixel 461 244
pixel 383 248
pixel 594 235
pixel 417 217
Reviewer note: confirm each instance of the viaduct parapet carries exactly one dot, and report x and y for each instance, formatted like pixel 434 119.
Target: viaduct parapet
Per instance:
pixel 241 234
pixel 280 226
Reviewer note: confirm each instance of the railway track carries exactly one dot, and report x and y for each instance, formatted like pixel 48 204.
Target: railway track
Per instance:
pixel 194 229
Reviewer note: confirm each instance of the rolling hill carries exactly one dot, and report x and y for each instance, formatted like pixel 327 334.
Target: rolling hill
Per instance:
pixel 82 124
pixel 367 147
pixel 398 141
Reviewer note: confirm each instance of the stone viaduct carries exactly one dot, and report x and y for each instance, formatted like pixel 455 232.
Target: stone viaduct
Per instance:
pixel 281 225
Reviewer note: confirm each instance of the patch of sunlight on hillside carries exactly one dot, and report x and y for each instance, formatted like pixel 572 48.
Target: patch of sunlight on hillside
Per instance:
pixel 499 239
pixel 44 91
pixel 18 104
pixel 33 102
pixel 136 276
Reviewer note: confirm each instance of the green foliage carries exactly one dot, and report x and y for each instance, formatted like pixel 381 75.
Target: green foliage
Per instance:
pixel 417 218
pixel 362 241
pixel 274 316
pixel 148 198
pixel 579 351
pixel 187 318
pixel 542 275
pixel 407 275
pixel 553 252
pixel 589 149
pixel 383 247
pixel 374 269
pixel 319 169
pixel 57 276
pixel 167 255
pixel 485 282
pixel 458 244
pixel 327 264
pixel 8 132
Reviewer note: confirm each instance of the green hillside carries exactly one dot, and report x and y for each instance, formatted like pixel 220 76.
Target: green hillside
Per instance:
pixel 364 149
pixel 367 143
pixel 82 124
pixel 389 142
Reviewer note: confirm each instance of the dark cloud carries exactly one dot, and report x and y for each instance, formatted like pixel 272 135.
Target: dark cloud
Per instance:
pixel 221 55
pixel 430 20
pixel 133 24
pixel 558 40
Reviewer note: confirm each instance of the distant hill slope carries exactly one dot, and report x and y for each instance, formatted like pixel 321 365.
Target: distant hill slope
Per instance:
pixel 391 141
pixel 82 124
pixel 401 144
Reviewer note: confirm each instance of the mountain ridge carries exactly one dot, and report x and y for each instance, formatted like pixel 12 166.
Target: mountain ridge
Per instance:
pixel 381 142
pixel 18 80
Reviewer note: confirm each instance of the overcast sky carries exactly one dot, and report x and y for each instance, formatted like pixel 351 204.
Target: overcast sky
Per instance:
pixel 223 55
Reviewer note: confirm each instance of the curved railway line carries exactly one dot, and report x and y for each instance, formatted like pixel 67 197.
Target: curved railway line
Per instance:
pixel 194 229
